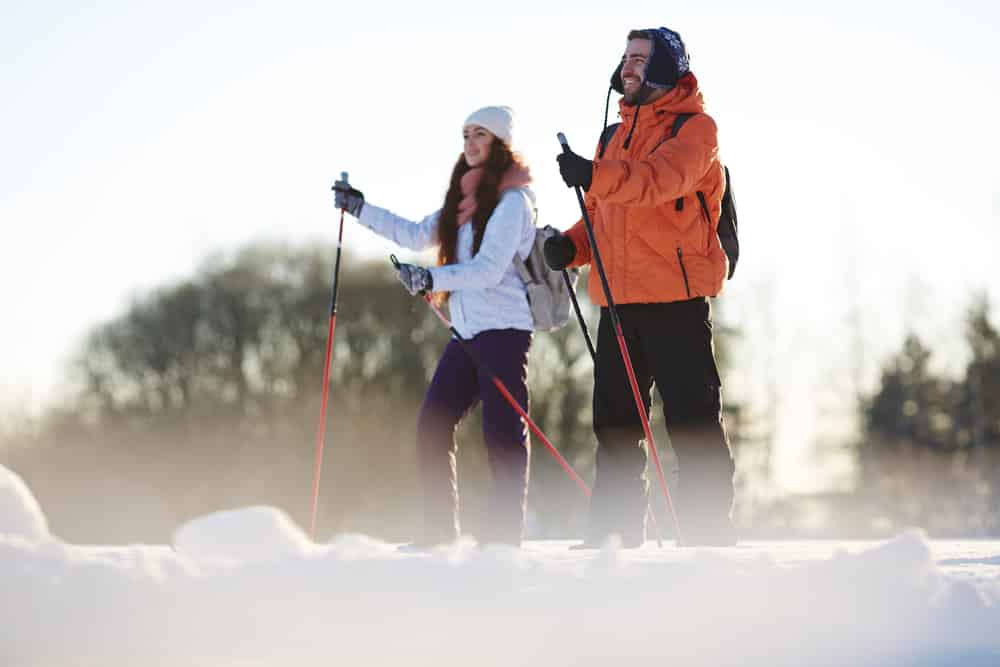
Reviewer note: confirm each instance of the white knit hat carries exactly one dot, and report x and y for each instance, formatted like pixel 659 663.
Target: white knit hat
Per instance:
pixel 498 120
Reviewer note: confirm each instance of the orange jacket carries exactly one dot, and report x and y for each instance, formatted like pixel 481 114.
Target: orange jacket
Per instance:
pixel 653 252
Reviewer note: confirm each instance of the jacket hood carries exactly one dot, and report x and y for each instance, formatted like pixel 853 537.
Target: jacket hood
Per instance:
pixel 685 97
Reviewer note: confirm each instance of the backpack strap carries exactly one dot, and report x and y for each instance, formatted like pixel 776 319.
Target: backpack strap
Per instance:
pixel 522 265
pixel 606 135
pixel 526 268
pixel 679 123
pixel 522 269
pixel 610 130
pixel 704 205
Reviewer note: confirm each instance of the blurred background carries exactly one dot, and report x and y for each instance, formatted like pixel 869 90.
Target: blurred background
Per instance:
pixel 169 240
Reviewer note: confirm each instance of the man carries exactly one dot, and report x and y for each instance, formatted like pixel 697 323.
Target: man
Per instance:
pixel 654 202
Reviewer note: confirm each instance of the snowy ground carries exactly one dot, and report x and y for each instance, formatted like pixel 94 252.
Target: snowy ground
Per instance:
pixel 247 588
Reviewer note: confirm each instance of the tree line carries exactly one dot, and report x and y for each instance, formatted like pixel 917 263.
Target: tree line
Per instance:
pixel 930 451
pixel 204 394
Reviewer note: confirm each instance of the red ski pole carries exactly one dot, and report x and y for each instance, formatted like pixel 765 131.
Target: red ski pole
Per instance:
pixel 321 433
pixel 624 349
pixel 504 392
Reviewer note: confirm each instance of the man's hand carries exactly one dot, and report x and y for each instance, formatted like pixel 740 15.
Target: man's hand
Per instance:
pixel 559 251
pixel 348 198
pixel 576 171
pixel 416 279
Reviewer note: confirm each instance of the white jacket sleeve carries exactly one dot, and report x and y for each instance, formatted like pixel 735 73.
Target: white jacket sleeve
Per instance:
pixel 404 233
pixel 501 239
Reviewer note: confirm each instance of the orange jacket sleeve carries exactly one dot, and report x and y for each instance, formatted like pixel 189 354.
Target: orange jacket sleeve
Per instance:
pixel 578 233
pixel 671 170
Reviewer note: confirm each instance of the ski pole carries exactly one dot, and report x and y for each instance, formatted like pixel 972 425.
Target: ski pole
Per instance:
pixel 321 433
pixel 503 390
pixel 613 311
pixel 579 316
pixel 593 357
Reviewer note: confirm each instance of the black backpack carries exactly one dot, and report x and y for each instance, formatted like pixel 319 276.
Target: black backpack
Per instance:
pixel 727 217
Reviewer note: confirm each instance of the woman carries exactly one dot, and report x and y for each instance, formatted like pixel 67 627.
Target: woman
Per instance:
pixel 487 219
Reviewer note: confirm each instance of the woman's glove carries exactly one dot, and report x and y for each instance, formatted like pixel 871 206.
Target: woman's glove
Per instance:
pixel 348 198
pixel 416 279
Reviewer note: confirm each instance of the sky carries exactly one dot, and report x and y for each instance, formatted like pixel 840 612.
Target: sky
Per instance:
pixel 246 587
pixel 137 139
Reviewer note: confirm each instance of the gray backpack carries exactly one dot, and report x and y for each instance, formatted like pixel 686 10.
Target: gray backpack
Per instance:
pixel 548 291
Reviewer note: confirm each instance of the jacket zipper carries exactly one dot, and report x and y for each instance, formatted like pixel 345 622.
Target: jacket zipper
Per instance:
pixel 680 259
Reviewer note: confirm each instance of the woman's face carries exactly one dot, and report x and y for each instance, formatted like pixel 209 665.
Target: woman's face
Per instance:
pixel 477 144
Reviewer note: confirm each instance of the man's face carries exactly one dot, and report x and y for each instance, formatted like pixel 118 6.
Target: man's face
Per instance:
pixel 634 68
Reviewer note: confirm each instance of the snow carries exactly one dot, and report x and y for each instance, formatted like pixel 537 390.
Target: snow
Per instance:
pixel 250 535
pixel 19 511
pixel 247 588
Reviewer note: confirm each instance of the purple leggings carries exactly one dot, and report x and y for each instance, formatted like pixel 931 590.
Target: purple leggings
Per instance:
pixel 455 389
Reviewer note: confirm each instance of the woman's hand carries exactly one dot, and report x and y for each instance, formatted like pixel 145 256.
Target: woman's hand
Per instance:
pixel 348 198
pixel 416 279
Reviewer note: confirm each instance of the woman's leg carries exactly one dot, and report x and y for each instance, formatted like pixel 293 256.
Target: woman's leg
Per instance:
pixel 453 391
pixel 505 353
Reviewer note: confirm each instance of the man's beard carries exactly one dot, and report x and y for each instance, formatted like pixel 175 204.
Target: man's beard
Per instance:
pixel 636 96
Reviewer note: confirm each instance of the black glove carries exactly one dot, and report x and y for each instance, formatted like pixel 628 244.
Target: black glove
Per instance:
pixel 559 251
pixel 576 170
pixel 347 198
pixel 416 279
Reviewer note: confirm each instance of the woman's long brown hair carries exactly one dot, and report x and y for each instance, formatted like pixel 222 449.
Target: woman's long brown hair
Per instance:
pixel 497 162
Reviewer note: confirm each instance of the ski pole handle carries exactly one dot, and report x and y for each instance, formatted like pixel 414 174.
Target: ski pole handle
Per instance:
pixel 562 140
pixel 343 177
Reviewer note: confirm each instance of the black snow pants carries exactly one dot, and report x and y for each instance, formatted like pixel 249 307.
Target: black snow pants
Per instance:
pixel 671 345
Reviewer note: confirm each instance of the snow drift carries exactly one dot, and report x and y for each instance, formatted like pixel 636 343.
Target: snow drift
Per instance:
pixel 246 587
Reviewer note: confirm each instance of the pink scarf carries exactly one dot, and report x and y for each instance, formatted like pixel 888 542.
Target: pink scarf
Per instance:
pixel 514 177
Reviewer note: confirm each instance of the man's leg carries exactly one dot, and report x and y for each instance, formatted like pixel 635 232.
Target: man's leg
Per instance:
pixel 453 391
pixel 505 353
pixel 677 338
pixel 620 494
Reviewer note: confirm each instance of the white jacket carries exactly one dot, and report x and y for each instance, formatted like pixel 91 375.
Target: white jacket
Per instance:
pixel 486 290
